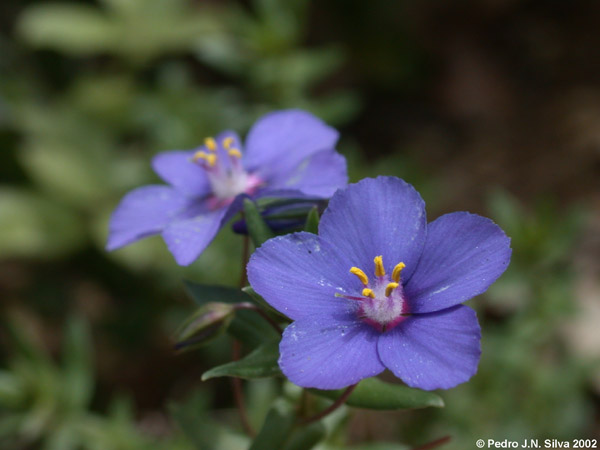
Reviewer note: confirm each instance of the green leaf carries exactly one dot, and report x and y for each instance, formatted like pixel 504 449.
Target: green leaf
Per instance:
pixel 204 293
pixel 64 437
pixel 62 170
pixel 78 366
pixel 251 329
pixel 373 393
pixel 298 211
pixel 312 221
pixel 257 228
pixel 33 226
pixel 260 363
pixel 71 28
pixel 307 437
pixel 191 416
pixel 160 27
pixel 506 211
pixel 23 345
pixel 276 428
pixel 12 390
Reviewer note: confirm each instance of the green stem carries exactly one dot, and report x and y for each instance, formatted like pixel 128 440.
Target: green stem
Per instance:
pixel 245 257
pixel 335 405
pixel 238 394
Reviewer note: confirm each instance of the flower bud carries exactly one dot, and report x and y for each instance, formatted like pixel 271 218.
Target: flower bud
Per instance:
pixel 207 323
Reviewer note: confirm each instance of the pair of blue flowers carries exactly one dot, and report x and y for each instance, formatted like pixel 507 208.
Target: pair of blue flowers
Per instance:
pixel 377 288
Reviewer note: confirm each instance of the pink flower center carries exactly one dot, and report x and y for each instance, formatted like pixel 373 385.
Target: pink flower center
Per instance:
pixel 382 301
pixel 227 177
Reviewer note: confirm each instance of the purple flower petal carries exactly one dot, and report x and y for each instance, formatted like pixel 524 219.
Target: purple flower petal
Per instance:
pixel 433 351
pixel 188 237
pixel 178 169
pixel 143 212
pixel 298 275
pixel 318 176
pixel 317 352
pixel 463 255
pixel 280 141
pixel 382 216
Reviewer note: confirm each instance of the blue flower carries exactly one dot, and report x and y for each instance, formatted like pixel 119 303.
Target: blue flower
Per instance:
pixel 287 154
pixel 381 288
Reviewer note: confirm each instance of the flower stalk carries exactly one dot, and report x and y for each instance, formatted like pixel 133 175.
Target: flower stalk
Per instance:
pixel 335 405
pixel 238 393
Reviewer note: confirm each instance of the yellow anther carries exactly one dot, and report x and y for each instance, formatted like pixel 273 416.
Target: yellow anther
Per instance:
pixel 227 142
pixel 234 152
pixel 199 155
pixel 396 272
pixel 210 144
pixel 366 292
pixel 379 270
pixel 389 288
pixel 364 279
pixel 210 158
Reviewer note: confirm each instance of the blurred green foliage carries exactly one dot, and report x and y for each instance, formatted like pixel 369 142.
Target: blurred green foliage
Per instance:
pixel 89 91
pixel 46 405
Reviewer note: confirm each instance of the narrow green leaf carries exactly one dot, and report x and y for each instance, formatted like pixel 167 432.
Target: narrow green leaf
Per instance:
pixel 191 416
pixel 260 363
pixel 78 364
pixel 71 28
pixel 204 293
pixel 120 409
pixel 251 329
pixel 64 436
pixel 24 346
pixel 12 390
pixel 299 212
pixel 35 226
pixel 307 437
pixel 257 228
pixel 312 221
pixel 276 428
pixel 373 393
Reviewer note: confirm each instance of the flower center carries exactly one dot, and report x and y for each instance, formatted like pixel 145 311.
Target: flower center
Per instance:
pixel 223 166
pixel 382 302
